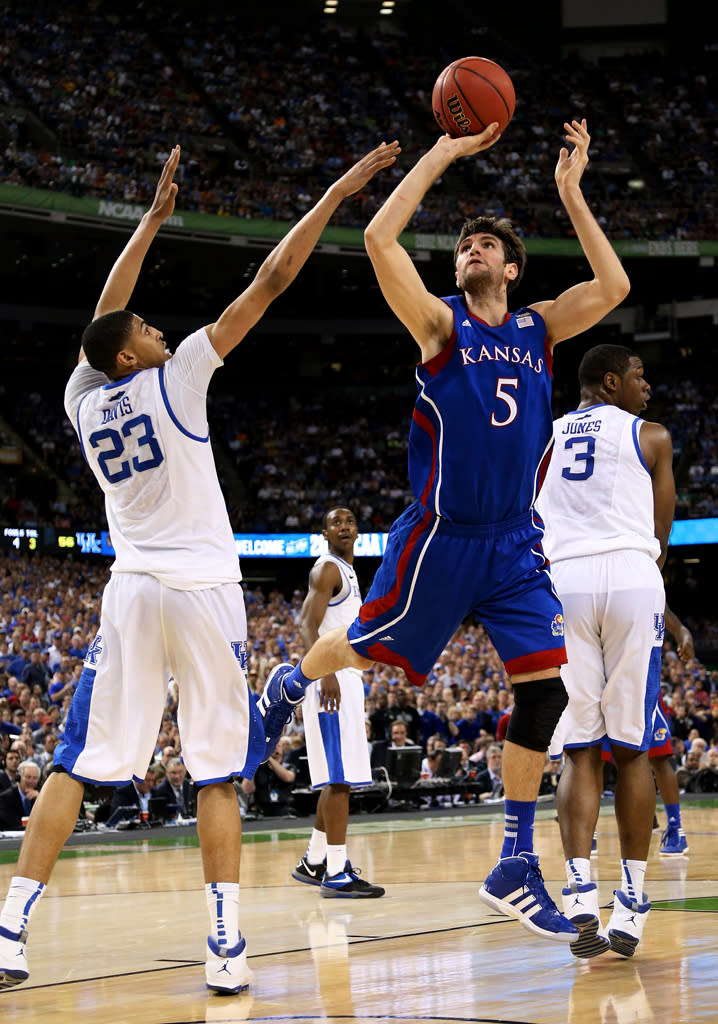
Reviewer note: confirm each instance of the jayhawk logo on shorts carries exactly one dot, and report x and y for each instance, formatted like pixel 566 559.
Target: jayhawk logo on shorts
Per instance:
pixel 660 736
pixel 557 627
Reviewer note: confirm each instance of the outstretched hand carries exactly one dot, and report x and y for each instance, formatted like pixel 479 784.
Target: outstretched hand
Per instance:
pixel 164 202
pixel 570 166
pixel 366 168
pixel 469 145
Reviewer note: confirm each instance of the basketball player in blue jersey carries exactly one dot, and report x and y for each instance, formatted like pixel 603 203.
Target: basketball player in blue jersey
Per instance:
pixel 173 606
pixel 608 501
pixel 336 744
pixel 469 543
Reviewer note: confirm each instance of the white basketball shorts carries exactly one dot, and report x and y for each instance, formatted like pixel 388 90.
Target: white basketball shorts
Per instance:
pixel 337 748
pixel 148 633
pixel 614 606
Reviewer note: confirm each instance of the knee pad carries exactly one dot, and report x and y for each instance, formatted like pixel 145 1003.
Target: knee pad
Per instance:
pixel 538 705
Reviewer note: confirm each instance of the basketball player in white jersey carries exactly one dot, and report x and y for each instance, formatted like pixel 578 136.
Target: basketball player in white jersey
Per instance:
pixel 336 740
pixel 173 606
pixel 607 503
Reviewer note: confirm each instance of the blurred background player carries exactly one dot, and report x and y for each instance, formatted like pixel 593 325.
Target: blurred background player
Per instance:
pixel 607 502
pixel 336 742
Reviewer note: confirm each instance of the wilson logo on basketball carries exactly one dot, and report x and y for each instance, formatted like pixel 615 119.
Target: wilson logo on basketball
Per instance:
pixel 457 114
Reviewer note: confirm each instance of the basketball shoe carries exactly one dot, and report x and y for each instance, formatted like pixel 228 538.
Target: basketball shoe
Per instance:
pixel 580 907
pixel 275 706
pixel 226 969
pixel 312 874
pixel 673 843
pixel 626 924
pixel 13 960
pixel 348 885
pixel 516 888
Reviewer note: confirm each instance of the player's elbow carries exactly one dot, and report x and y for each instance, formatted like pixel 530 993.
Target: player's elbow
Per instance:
pixel 619 289
pixel 273 278
pixel 376 239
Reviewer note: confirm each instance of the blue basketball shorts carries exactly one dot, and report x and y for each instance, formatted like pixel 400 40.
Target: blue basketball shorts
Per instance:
pixel 435 574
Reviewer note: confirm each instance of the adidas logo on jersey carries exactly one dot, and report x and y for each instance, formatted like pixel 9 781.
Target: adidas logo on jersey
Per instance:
pixel 466 323
pixel 383 638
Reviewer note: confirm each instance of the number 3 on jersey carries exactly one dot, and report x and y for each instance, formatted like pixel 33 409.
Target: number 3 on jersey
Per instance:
pixel 581 455
pixel 140 429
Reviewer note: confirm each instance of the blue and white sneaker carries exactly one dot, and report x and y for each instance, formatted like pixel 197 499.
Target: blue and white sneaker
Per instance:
pixel 516 888
pixel 673 843
pixel 275 707
pixel 226 969
pixel 626 924
pixel 580 907
pixel 13 959
pixel 348 885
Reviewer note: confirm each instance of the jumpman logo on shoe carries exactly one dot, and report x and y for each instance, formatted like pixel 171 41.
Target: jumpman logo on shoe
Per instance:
pixel 577 902
pixel 632 918
pixel 224 967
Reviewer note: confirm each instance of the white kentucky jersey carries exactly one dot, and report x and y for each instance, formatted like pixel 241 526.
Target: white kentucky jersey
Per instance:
pixel 146 439
pixel 597 495
pixel 344 606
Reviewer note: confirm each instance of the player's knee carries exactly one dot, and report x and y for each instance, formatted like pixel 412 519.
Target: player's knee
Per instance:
pixel 538 705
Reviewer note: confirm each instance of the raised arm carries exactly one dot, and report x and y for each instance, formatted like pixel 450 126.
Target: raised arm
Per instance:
pixel 285 261
pixel 123 277
pixel 585 304
pixel 426 317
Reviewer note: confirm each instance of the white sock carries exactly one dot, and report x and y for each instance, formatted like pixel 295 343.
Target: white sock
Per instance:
pixel 336 859
pixel 317 849
pixel 223 906
pixel 633 873
pixel 22 896
pixel 578 871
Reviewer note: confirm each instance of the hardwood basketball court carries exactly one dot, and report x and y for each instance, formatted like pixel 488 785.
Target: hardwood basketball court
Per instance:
pixel 119 935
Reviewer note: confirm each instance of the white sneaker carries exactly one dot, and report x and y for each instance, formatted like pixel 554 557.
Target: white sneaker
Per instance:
pixel 13 959
pixel 626 924
pixel 226 969
pixel 580 907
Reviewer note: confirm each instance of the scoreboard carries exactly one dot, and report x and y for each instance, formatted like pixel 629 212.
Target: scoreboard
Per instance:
pixel 56 541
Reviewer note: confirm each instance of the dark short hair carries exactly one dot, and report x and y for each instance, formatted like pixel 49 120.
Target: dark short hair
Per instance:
pixel 104 337
pixel 501 228
pixel 603 359
pixel 334 508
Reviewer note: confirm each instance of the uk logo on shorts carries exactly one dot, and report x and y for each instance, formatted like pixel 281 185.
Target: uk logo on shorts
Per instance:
pixel 659 625
pixel 93 651
pixel 239 648
pixel 557 627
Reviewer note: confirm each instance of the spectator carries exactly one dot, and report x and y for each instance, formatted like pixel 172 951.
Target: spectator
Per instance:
pixel 17 802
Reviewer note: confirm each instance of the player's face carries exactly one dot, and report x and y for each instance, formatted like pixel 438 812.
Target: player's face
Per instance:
pixel 480 263
pixel 341 530
pixel 634 391
pixel 146 347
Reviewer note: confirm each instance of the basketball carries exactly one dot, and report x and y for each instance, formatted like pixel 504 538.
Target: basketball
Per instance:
pixel 470 94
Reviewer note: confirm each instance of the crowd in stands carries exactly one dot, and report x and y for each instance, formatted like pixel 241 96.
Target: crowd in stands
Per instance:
pixel 49 615
pixel 289 460
pixel 268 115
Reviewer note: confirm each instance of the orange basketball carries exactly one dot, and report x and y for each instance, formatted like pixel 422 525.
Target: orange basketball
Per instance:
pixel 470 94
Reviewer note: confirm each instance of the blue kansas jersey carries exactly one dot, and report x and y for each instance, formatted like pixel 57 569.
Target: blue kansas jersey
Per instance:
pixel 482 423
